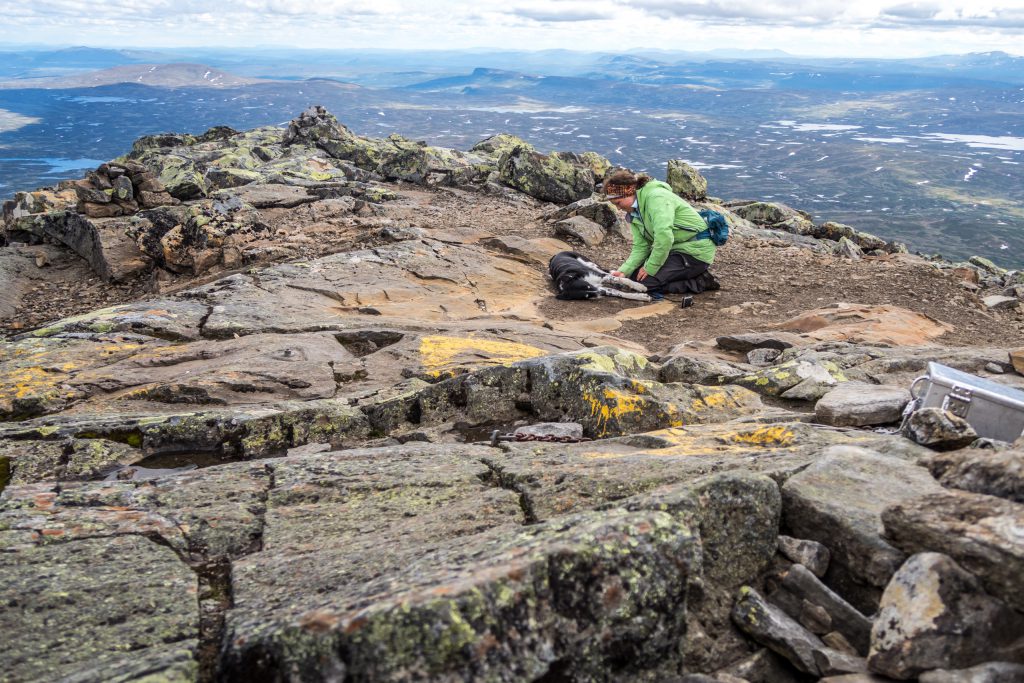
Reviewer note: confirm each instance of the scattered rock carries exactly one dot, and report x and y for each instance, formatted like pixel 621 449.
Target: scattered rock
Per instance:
pixel 835 663
pixel 980 533
pixel 826 503
pixel 838 614
pixel 773 628
pixel 934 615
pixel 939 429
pixel 811 554
pixel 854 404
pixel 997 302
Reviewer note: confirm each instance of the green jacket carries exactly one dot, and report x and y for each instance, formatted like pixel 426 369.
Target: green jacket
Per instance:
pixel 662 223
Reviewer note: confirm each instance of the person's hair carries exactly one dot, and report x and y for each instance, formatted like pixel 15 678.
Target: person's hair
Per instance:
pixel 624 179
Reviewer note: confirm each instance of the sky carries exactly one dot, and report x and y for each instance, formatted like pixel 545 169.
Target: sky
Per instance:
pixel 841 28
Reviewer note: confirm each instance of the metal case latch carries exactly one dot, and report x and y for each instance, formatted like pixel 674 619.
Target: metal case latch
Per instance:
pixel 958 401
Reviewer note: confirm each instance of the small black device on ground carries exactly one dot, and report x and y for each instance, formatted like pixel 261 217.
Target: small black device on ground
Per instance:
pixel 687 302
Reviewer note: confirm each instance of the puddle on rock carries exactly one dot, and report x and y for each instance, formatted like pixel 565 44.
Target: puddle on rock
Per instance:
pixel 166 464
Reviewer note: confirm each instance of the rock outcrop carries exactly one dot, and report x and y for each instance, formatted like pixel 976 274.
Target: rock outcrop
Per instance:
pixel 344 438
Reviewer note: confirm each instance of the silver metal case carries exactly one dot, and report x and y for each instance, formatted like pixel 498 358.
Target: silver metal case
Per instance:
pixel 995 410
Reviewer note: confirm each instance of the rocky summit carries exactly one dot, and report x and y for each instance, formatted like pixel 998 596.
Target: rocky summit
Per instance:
pixel 295 404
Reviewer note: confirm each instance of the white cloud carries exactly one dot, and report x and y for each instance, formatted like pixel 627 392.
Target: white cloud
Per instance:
pixel 869 28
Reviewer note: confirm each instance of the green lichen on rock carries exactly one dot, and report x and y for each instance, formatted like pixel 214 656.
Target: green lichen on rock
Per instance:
pixel 560 177
pixel 686 181
pixel 99 603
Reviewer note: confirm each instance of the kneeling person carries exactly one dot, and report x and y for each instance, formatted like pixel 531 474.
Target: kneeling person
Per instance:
pixel 665 256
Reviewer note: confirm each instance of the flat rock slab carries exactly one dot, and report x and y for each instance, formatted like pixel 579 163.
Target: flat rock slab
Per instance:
pixel 30 461
pixel 92 603
pixel 867 324
pixel 827 502
pixel 854 404
pixel 982 533
pixel 367 549
pixel 273 195
pixel 560 478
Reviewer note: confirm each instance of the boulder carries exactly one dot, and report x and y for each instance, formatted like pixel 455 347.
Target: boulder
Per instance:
pixel 848 249
pixel 103 243
pixel 766 213
pixel 582 229
pixel 826 503
pixel 831 230
pixel 763 356
pixel 1017 360
pixel 987 266
pixel 697 370
pixel 934 615
pixel 758 340
pixel 686 181
pixel 855 404
pixel 980 471
pixel 939 429
pixel 605 214
pixel 559 178
pixel 811 554
pixel 980 533
pixel 795 379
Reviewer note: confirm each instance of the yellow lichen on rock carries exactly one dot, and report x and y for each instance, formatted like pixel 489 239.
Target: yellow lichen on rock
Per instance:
pixel 440 352
pixel 776 435
pixel 612 404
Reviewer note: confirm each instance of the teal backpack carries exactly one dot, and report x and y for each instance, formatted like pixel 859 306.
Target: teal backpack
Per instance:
pixel 717 230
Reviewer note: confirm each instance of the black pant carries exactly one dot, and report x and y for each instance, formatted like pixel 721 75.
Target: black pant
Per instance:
pixel 681 273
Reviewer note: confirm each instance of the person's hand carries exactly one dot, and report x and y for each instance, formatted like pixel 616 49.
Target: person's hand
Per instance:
pixel 641 274
pixel 617 273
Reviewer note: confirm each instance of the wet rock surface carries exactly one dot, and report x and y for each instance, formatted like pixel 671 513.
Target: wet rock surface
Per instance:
pixel 277 463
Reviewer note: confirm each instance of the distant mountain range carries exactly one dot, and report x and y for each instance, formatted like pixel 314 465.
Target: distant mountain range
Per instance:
pixel 162 75
pixel 927 151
